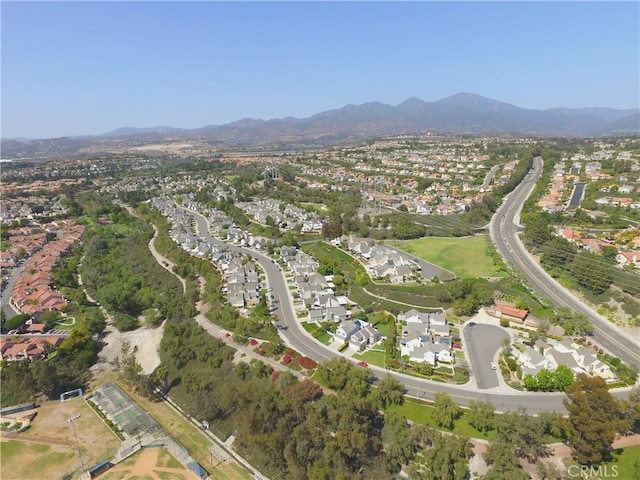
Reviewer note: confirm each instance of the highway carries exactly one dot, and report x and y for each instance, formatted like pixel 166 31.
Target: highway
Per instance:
pixel 503 399
pixel 504 228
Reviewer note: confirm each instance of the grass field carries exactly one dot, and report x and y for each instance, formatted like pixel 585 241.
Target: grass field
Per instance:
pixel 33 461
pixel 625 460
pixel 25 459
pixel 466 257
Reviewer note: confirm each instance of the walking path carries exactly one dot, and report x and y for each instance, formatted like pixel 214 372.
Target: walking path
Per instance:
pixel 400 303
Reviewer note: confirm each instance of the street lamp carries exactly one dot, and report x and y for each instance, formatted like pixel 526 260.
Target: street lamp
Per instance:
pixel 72 422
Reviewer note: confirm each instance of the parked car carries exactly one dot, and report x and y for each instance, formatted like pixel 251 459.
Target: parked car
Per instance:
pixel 493 366
pixel 363 364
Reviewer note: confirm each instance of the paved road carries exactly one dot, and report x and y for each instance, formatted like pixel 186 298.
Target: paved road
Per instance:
pixel 502 398
pixel 504 229
pixel 483 343
pixel 5 296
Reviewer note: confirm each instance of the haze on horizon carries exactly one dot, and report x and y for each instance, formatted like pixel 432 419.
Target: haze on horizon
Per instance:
pixel 71 68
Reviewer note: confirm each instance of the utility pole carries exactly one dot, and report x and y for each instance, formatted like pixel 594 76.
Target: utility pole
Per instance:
pixel 72 421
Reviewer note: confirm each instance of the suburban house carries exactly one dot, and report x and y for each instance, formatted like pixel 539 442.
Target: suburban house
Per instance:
pixel 629 259
pixel 578 359
pixel 364 337
pixel 511 313
pixel 358 333
pixel 28 348
pixel 424 348
pixel 431 318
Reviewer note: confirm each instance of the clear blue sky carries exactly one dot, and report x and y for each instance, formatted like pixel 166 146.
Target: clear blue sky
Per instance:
pixel 90 67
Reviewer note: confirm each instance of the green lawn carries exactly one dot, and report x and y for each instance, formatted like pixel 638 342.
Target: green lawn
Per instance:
pixel 419 412
pixel 466 257
pixel 318 333
pixel 374 358
pixel 627 462
pixel 20 458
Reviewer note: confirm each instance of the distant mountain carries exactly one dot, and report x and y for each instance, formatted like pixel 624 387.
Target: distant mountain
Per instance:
pixel 125 131
pixel 460 113
pixel 629 125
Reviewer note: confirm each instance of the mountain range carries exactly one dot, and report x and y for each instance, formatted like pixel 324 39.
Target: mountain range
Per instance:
pixel 460 113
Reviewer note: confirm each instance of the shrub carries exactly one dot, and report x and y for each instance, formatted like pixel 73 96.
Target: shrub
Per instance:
pixel 504 322
pixel 307 363
pixel 286 359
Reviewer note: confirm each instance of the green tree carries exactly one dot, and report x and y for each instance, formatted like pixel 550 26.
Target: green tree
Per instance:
pixel 399 443
pixel 503 462
pixel 593 419
pixel 445 410
pixel 481 415
pixel 562 378
pixel 389 391
pixel 446 459
pixel 590 273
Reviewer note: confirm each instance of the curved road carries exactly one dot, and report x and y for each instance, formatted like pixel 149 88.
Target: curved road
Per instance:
pixel 295 336
pixel 504 233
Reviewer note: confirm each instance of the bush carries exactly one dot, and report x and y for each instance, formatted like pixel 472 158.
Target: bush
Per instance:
pixel 16 322
pixel 307 363
pixel 286 359
pixel 504 322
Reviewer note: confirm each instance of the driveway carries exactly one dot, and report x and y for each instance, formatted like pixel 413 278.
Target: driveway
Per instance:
pixel 483 342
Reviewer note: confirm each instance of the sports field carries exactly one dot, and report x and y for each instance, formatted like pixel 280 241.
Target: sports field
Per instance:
pixel 48 448
pixel 465 256
pixel 149 463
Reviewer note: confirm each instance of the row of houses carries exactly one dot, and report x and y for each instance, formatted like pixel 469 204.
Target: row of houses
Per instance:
pixel 380 261
pixel 425 337
pixel 283 215
pixel 33 292
pixel 27 348
pixel 624 258
pixel 549 356
pixel 242 281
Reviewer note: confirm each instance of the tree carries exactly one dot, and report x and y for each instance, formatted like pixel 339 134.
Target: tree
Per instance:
pixel 503 461
pixel 398 442
pixel 49 317
pixel 446 459
pixel 389 391
pixel 481 415
pixel 445 410
pixel 562 378
pixel 590 273
pixel 592 419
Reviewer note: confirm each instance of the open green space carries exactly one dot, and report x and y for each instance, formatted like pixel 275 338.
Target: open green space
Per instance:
pixel 420 412
pixel 319 333
pixel 372 357
pixel 361 289
pixel 466 257
pixel 19 458
pixel 626 460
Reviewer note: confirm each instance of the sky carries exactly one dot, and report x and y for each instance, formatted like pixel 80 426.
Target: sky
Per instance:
pixel 74 68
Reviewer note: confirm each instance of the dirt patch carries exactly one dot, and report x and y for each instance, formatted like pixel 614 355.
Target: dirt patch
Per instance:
pixel 148 351
pixel 146 464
